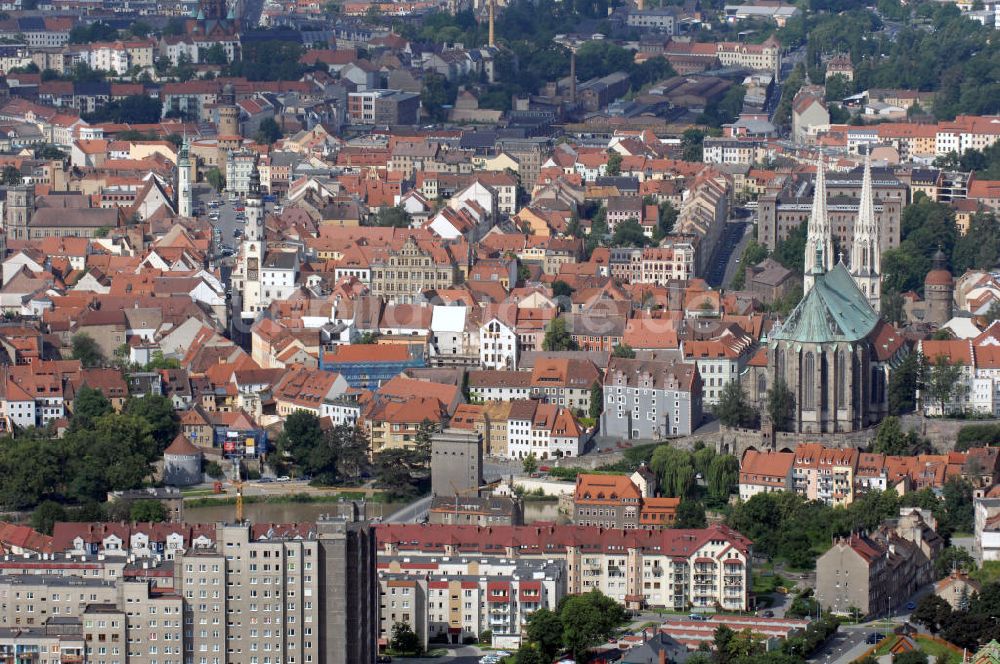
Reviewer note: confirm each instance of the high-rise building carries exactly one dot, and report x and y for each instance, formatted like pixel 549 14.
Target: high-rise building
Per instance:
pixel 456 462
pixel 233 594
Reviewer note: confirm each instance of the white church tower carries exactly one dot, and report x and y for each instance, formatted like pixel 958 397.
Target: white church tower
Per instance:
pixel 819 239
pixel 184 180
pixel 866 257
pixel 252 248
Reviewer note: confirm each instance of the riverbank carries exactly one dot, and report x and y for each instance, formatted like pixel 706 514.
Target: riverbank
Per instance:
pixel 285 499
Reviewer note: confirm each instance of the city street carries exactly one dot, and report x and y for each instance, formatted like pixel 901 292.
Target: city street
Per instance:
pixel 415 512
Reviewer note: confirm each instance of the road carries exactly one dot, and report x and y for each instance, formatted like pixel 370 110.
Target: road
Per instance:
pixel 736 255
pixel 733 234
pixel 843 647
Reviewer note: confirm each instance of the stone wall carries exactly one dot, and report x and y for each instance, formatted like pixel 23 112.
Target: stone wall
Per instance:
pixel 941 432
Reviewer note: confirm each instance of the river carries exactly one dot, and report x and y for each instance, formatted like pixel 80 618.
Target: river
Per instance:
pixel 298 512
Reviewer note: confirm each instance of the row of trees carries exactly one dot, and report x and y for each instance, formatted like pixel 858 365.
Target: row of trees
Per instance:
pixel 103 451
pixel 786 526
pixel 339 455
pixel 579 623
pixel 973 624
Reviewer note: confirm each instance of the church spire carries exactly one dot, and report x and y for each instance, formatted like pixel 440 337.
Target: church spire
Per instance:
pixel 866 261
pixel 819 241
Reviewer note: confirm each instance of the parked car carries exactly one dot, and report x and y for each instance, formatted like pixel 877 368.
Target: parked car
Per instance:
pixel 768 614
pixel 911 606
pixel 696 616
pixel 383 659
pixel 284 478
pixel 874 637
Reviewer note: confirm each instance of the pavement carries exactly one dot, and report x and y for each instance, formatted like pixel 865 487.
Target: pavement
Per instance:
pixel 456 655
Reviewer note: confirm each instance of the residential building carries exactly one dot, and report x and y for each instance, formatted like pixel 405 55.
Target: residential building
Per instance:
pixel 764 472
pixel 616 501
pixel 650 399
pixel 669 567
pixel 875 573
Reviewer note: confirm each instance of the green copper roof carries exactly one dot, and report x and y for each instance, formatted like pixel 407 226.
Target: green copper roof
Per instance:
pixel 834 309
pixel 989 653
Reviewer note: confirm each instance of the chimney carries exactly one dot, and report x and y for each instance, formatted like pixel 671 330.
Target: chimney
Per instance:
pixel 663 656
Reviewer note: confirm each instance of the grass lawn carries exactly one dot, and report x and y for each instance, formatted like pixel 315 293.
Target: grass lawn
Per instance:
pixel 942 654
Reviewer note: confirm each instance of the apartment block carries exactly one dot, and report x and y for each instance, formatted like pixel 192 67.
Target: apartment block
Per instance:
pixel 232 593
pixel 463 597
pixel 672 568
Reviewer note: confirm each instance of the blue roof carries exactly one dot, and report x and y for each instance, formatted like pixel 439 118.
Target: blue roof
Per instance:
pixel 834 310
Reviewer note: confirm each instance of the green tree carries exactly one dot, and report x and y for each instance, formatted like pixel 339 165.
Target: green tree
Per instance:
pixel 675 469
pixel 931 612
pixel 561 289
pixel 398 473
pixel 151 511
pixel 723 477
pixel 158 412
pixel 422 440
pixel 530 464
pixel 629 233
pixel 953 559
pixel 623 350
pixel 910 657
pixel 903 384
pixel 46 515
pixel 889 438
pixel 268 132
pixel 944 382
pixel 733 409
pixel 214 470
pixel 404 640
pixel 557 336
pixel 11 175
pixel 215 178
pixel 89 405
pixel 780 404
pixel 215 55
pixel 588 620
pixel 596 400
pixel 545 630
pixel 691 145
pixel 300 438
pixel 528 654
pixel 614 165
pixel 395 217
pixel 691 514
pixel 86 350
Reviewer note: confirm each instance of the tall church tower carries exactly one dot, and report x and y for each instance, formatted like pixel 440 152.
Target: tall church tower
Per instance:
pixel 253 248
pixel 866 257
pixel 819 240
pixel 184 180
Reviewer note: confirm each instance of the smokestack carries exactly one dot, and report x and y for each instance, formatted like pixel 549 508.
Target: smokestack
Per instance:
pixel 572 75
pixel 493 4
pixel 663 656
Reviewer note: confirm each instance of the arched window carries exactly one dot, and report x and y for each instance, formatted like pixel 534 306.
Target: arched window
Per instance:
pixel 761 387
pixel 809 382
pixel 841 378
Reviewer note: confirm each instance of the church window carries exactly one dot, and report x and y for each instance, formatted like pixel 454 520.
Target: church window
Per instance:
pixel 809 381
pixel 761 387
pixel 841 378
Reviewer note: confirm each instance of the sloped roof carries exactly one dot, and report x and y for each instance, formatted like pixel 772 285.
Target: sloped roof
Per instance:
pixel 833 310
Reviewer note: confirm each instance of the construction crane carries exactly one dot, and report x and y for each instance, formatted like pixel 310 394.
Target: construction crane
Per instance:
pixel 471 489
pixel 238 483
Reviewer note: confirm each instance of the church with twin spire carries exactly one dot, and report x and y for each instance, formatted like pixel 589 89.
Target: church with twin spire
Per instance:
pixel 833 352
